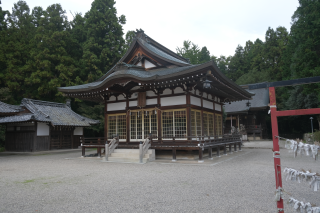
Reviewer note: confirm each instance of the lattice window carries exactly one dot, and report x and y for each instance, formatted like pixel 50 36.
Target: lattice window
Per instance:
pixel 218 122
pixel 112 126
pixel 117 125
pixel 211 124
pixel 205 125
pixel 142 123
pixel 167 124
pixel 195 123
pixel 174 124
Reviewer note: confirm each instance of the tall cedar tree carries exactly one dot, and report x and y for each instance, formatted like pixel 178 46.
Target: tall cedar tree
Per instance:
pixel 53 58
pixel 14 49
pixel 104 43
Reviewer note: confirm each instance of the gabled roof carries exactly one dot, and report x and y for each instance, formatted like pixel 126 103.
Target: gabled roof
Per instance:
pixel 6 109
pixel 172 67
pixel 260 100
pixel 56 114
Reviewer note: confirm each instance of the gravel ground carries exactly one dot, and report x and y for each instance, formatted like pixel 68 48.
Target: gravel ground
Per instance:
pixel 63 182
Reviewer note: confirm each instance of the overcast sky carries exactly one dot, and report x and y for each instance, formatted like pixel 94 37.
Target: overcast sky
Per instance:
pixel 218 25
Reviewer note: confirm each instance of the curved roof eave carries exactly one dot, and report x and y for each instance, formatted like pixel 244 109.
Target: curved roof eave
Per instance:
pixel 186 70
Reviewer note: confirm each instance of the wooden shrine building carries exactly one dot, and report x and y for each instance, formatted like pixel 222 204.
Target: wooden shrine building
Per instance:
pixel 250 113
pixel 40 125
pixel 153 90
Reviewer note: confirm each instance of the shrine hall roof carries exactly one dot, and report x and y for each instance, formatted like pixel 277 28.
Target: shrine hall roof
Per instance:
pixel 55 113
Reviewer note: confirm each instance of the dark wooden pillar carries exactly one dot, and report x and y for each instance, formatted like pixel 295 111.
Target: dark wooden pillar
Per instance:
pixel 225 149
pixel 202 115
pixel 174 155
pixel 159 119
pixel 34 145
pixel 83 151
pixel 188 117
pixel 105 119
pixel 128 121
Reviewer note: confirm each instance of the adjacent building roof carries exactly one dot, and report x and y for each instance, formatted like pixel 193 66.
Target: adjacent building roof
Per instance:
pixel 7 109
pixel 56 114
pixel 259 101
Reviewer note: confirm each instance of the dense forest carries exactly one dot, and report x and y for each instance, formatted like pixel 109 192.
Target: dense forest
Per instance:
pixel 40 50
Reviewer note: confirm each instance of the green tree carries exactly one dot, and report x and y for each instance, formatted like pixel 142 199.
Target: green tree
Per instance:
pixel 129 38
pixel 53 58
pixel 189 51
pixel 204 55
pixel 104 44
pixel 14 48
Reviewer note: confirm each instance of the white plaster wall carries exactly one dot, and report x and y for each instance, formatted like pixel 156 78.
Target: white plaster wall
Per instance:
pixel 195 101
pixel 205 95
pixel 151 101
pixel 175 100
pixel 210 96
pixel 217 107
pixel 167 92
pixel 134 95
pixel 148 64
pixel 121 97
pixel 112 98
pixel 178 90
pixel 150 93
pixel 116 106
pixel 133 103
pixel 207 104
pixel 139 64
pixel 42 129
pixel 78 131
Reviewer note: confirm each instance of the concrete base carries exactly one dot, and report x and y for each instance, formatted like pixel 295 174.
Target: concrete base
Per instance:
pixel 174 160
pixel 200 161
pixel 131 156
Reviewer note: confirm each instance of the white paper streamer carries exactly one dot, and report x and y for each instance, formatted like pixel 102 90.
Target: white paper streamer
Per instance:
pixel 303 207
pixel 302 148
pixel 295 175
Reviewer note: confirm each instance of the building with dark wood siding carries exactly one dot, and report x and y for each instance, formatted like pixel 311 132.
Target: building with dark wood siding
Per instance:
pixel 250 113
pixel 41 125
pixel 153 90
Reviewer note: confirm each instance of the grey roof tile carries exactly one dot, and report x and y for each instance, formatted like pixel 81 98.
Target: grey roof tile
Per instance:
pixel 55 113
pixel 160 52
pixel 7 108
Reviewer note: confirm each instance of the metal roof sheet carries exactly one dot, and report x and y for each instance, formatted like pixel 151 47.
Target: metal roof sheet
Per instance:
pixel 259 100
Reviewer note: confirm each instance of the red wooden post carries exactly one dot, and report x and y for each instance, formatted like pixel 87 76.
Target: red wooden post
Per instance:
pixel 274 125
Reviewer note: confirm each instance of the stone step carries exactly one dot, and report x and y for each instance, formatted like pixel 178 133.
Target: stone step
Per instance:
pixel 131 151
pixel 127 160
pixel 129 155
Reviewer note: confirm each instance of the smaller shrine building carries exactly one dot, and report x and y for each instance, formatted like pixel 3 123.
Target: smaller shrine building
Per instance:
pixel 41 125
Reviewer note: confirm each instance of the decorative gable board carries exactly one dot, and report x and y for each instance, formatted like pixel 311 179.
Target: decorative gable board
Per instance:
pixel 121 97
